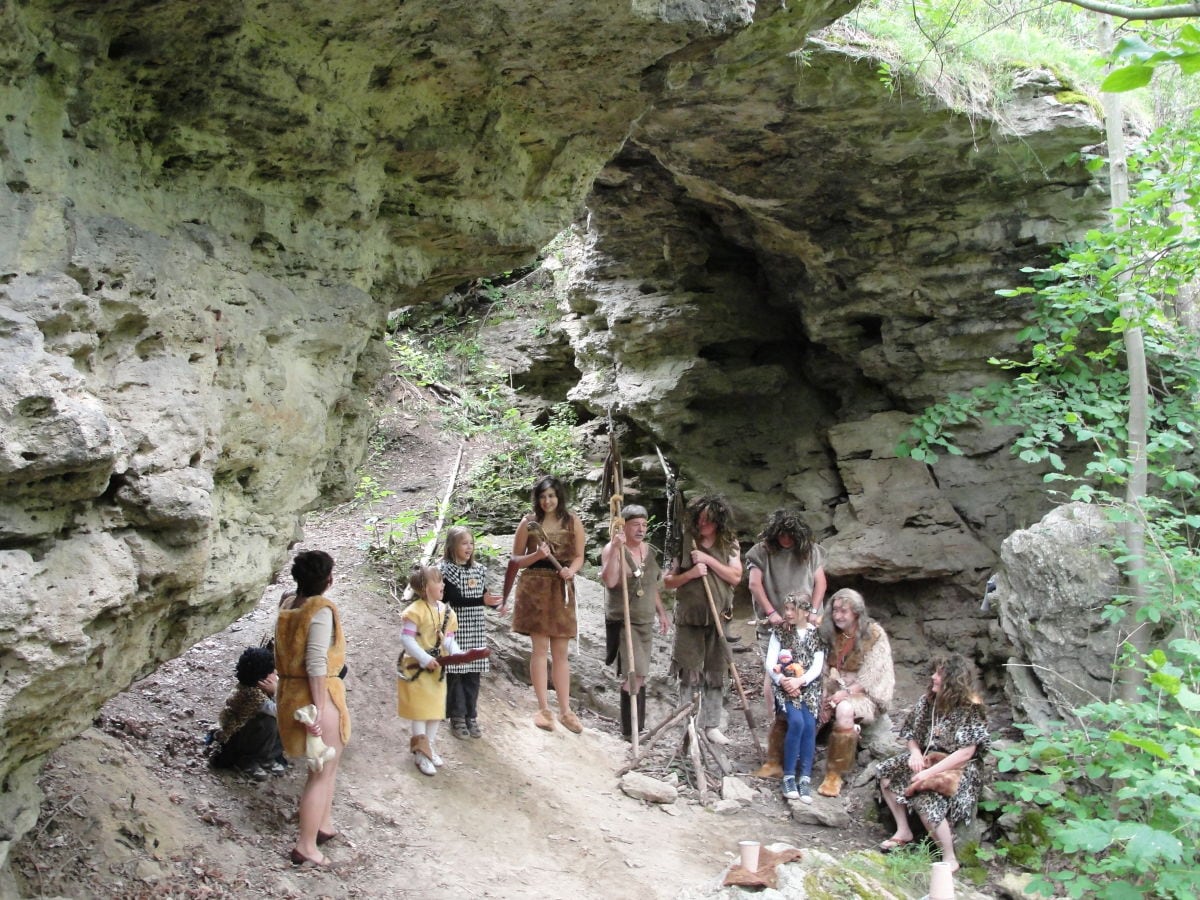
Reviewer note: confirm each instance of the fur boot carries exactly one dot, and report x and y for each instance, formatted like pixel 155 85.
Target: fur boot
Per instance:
pixel 773 767
pixel 839 760
pixel 419 743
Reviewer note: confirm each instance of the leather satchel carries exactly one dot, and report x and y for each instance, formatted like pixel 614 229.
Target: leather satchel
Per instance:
pixel 944 783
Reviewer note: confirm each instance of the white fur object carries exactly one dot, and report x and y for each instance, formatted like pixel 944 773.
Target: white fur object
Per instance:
pixel 316 751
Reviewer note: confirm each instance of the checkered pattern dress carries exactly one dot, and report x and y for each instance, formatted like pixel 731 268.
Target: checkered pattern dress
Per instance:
pixel 465 587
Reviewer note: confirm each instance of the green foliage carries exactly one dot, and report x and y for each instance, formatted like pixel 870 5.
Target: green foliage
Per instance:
pixel 496 490
pixel 397 543
pixel 1109 805
pixel 1137 60
pixel 369 491
pixel 1073 388
pixel 967 53
pixel 437 348
pixel 1123 789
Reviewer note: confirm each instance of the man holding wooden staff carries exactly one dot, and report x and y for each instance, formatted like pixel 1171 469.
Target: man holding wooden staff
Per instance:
pixel 628 554
pixel 709 554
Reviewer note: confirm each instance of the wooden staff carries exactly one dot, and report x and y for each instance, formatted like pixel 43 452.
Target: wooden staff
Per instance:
pixel 728 654
pixel 616 523
pixel 535 530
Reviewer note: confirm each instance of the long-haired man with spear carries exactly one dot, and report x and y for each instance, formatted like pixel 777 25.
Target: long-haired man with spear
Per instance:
pixel 704 573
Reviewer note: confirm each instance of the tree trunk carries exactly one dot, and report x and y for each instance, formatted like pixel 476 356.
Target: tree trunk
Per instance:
pixel 1137 634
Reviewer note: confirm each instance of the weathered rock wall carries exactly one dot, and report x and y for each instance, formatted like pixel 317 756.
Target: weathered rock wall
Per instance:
pixel 205 212
pixel 207 209
pixel 788 259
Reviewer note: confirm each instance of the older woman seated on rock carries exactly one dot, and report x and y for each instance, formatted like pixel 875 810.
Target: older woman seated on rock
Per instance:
pixel 859 681
pixel 941 775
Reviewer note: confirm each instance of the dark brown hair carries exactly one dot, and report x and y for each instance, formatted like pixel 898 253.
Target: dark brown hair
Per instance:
pixel 716 508
pixel 311 569
pixel 790 522
pixel 549 481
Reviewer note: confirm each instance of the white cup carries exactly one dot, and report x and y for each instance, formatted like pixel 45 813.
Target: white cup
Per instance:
pixel 749 855
pixel 941 882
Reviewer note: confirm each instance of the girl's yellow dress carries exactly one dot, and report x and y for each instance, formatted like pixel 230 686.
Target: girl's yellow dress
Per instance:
pixel 421 694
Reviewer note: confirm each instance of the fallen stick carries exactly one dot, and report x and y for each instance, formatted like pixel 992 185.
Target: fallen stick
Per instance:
pixel 653 735
pixel 697 762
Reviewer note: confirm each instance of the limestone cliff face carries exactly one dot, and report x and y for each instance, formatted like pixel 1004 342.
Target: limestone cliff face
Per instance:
pixel 206 211
pixel 787 259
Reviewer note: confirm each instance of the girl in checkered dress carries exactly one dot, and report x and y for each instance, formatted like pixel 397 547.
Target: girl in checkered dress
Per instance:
pixel 468 595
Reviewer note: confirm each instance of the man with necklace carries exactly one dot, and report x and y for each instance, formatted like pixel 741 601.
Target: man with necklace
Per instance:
pixel 627 554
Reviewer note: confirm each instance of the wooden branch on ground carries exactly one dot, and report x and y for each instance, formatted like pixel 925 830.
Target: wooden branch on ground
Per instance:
pixel 653 735
pixel 713 752
pixel 697 762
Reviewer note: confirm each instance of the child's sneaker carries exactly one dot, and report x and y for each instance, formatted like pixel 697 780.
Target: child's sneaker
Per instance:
pixel 804 789
pixel 789 788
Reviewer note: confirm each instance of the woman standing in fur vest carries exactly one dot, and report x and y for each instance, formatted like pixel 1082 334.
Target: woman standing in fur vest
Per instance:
pixel 859 681
pixel 310 652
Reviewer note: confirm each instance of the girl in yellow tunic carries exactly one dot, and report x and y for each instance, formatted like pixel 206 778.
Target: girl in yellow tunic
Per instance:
pixel 428 627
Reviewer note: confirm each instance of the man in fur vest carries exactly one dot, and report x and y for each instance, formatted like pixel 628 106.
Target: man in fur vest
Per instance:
pixel 859 681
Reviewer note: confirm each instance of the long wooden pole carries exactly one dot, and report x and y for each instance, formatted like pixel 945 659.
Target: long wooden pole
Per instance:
pixel 443 508
pixel 617 523
pixel 737 679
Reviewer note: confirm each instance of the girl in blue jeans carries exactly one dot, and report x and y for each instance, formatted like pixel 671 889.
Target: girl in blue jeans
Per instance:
pixel 795 658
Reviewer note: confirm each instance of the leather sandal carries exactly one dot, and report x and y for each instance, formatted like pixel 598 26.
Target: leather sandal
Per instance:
pixel 299 859
pixel 571 721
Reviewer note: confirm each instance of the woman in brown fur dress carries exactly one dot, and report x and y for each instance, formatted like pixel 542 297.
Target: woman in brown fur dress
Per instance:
pixel 548 548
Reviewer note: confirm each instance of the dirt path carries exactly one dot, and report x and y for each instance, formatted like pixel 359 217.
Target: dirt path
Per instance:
pixel 132 809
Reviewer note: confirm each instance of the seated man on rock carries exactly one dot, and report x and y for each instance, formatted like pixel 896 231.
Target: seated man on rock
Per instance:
pixel 247 735
pixel 859 681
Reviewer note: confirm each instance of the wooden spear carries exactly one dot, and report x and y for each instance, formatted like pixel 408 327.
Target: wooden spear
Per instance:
pixel 684 552
pixel 617 523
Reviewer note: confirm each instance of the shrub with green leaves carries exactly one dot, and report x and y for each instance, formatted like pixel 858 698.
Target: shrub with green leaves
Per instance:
pixel 1108 804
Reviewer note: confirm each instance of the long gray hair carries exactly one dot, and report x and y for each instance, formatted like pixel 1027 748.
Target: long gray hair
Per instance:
pixel 854 601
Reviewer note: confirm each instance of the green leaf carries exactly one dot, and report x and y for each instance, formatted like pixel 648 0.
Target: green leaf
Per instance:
pixel 1133 47
pixel 1151 747
pixel 1089 837
pixel 1189 700
pixel 1146 845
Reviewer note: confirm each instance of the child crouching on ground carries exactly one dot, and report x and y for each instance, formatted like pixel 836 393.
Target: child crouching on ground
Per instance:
pixel 428 627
